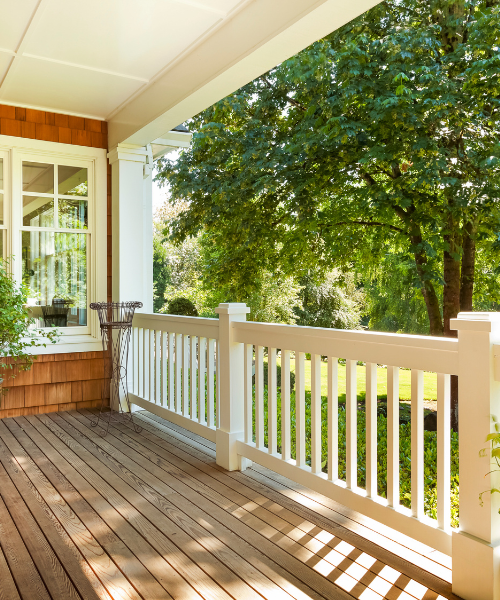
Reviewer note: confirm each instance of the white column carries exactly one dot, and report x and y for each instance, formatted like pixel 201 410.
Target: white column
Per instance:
pixel 231 384
pixel 476 546
pixel 132 225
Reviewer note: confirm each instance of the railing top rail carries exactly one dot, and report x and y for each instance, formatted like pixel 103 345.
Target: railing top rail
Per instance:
pixel 198 326
pixel 410 351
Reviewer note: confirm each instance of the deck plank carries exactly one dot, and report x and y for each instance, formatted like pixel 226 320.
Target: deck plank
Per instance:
pixel 19 469
pixel 8 589
pixel 170 504
pixel 134 516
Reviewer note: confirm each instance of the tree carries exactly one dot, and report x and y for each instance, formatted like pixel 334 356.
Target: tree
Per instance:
pixel 384 132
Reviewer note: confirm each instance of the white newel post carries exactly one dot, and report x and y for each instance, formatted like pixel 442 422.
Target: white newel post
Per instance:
pixel 132 227
pixel 231 388
pixel 476 547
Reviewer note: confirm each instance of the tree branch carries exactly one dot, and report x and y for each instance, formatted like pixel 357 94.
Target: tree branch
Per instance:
pixel 370 223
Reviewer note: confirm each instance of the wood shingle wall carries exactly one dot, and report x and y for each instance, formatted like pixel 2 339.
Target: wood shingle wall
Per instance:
pixel 57 381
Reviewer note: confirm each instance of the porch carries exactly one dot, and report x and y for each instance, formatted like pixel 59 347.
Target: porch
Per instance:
pixel 151 515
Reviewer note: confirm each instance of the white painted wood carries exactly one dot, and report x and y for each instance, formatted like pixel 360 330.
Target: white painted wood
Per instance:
pixel 210 382
pixel 393 436
pixel 285 405
pixel 315 413
pixel 199 326
pixel 417 443
pixel 436 354
pixel 151 365
pixel 202 370
pixel 193 377
pixel 140 362
pixel 206 432
pixel 185 375
pixel 371 429
pixel 171 372
pixel 164 368
pixel 217 385
pixel 443 451
pixel 135 359
pixel 351 416
pixel 476 546
pixel 272 406
pixel 178 373
pixel 259 396
pixel 248 394
pixel 333 418
pixel 145 391
pixel 157 363
pixel 230 412
pixel 300 409
pixel 400 519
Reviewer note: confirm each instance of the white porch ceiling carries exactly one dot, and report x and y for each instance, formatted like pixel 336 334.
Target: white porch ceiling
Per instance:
pixel 147 65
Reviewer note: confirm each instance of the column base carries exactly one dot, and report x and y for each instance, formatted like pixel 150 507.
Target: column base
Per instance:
pixel 475 568
pixel 226 455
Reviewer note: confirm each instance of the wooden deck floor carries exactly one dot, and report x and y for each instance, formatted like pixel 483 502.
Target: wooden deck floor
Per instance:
pixel 151 516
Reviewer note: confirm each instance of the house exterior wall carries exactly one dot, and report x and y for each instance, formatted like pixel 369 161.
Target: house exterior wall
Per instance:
pixel 57 381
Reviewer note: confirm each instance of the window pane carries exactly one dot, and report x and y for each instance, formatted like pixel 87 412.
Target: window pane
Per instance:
pixel 72 181
pixel 73 214
pixel 38 212
pixel 55 269
pixel 38 178
pixel 1 174
pixel 1 211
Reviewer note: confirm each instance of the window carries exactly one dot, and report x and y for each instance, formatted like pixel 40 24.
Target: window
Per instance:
pixel 55 241
pixel 53 224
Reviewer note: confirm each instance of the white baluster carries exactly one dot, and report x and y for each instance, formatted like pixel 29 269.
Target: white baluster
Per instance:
pixel 151 397
pixel 315 413
pixel 140 363
pixel 285 405
pixel 178 372
pixel 351 413
pixel 171 372
pixel 202 366
pixel 333 418
pixel 210 382
pixel 185 375
pixel 417 443
pixel 217 385
pixel 193 377
pixel 443 451
pixel 135 360
pixel 272 403
pixel 145 391
pixel 259 396
pixel 157 350
pixel 300 409
pixel 248 394
pixel 371 429
pixel 164 380
pixel 393 436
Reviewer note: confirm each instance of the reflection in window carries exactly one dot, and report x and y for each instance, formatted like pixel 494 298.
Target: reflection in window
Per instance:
pixel 72 181
pixel 55 269
pixel 38 212
pixel 38 178
pixel 73 214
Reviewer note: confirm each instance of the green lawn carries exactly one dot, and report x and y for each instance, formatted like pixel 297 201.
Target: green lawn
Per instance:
pixel 430 381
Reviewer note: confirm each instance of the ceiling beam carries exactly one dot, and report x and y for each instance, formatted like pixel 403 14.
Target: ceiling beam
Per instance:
pixel 258 37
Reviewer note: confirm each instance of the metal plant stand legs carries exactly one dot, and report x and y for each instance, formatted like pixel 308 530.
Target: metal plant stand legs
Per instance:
pixel 116 328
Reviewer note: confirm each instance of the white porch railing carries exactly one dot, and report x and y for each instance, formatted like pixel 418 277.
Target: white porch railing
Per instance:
pixel 198 374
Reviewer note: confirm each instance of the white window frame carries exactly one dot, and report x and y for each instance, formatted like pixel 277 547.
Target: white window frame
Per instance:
pixel 16 150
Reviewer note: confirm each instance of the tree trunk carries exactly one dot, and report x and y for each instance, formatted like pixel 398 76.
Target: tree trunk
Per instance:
pixel 468 267
pixel 428 291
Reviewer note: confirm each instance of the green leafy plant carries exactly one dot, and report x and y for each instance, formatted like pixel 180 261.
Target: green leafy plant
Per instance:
pixel 182 306
pixel 18 339
pixel 494 452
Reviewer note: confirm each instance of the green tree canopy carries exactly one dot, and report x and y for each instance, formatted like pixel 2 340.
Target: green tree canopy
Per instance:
pixel 384 133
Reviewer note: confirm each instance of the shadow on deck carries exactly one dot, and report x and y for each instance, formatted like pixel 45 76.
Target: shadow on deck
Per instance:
pixel 151 516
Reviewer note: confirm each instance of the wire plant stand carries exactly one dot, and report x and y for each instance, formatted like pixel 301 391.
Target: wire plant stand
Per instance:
pixel 115 320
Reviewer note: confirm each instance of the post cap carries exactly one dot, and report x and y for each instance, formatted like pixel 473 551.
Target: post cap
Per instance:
pixel 475 321
pixel 232 308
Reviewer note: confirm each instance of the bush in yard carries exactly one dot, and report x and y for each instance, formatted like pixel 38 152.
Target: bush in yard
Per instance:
pixel 182 306
pixel 278 377
pixel 17 340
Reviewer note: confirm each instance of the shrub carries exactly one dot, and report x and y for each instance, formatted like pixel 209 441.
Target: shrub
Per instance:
pixel 278 376
pixel 182 306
